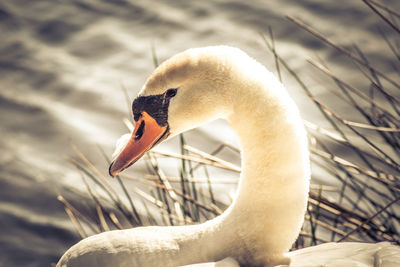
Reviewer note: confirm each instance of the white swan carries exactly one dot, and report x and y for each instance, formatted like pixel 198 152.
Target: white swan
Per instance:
pixel 264 220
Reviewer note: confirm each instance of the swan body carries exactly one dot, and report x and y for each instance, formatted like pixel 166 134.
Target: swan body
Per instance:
pixel 349 254
pixel 189 89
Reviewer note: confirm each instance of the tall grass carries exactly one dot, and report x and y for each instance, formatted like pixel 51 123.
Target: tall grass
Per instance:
pixel 359 158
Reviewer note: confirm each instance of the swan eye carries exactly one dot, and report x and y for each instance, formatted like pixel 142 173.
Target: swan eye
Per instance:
pixel 170 93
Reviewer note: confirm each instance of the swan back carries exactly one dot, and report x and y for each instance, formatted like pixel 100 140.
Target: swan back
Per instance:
pixel 350 254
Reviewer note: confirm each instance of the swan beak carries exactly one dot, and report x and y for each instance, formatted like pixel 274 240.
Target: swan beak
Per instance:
pixel 147 134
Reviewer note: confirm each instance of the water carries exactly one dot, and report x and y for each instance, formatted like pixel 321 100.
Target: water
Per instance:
pixel 62 66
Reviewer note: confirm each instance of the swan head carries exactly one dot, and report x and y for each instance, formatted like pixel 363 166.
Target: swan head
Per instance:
pixel 187 90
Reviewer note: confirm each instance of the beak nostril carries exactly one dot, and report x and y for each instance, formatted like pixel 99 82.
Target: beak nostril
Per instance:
pixel 147 134
pixel 140 131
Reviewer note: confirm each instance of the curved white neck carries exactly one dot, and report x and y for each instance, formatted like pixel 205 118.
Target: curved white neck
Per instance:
pixel 273 190
pixel 267 214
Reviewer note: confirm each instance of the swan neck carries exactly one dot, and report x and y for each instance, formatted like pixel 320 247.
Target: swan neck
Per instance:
pixel 273 190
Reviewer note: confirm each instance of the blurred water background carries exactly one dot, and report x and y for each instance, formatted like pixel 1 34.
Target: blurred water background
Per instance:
pixel 62 67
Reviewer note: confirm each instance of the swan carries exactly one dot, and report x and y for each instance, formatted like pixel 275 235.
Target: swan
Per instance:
pixel 265 218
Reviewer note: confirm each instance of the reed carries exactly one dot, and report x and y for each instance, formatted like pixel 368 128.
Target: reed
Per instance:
pixel 360 159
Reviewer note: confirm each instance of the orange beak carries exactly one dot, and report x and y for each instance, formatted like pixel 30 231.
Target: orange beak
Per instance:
pixel 147 134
